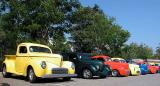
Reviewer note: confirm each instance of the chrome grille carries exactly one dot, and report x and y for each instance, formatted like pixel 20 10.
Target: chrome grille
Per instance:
pixel 59 71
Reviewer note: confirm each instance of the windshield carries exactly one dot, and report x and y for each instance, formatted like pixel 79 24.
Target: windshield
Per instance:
pixel 39 49
pixel 122 61
pixel 108 59
pixel 84 56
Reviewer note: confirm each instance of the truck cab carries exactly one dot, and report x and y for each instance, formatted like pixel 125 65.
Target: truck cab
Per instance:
pixel 37 61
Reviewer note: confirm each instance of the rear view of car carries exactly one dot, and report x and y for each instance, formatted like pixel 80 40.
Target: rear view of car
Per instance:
pixel 152 69
pixel 144 68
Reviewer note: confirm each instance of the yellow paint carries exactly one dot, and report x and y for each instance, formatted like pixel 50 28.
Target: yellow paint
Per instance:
pixel 18 64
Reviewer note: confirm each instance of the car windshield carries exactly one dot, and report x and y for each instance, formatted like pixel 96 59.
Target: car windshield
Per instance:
pixel 132 62
pixel 116 60
pixel 84 56
pixel 108 59
pixel 122 61
pixel 39 49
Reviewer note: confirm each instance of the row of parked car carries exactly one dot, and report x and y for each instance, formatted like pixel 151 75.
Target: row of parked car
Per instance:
pixel 88 65
pixel 35 61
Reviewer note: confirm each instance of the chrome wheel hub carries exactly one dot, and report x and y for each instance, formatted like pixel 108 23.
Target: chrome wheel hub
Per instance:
pixel 31 74
pixel 4 70
pixel 114 73
pixel 86 73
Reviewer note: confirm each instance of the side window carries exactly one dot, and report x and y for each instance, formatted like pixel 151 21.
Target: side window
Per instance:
pixel 22 49
pixel 116 60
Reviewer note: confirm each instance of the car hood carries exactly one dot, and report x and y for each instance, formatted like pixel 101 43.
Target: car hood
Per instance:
pixel 134 65
pixel 117 64
pixel 48 58
pixel 93 62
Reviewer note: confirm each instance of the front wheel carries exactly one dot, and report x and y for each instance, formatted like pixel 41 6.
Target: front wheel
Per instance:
pixel 31 76
pixel 115 73
pixel 4 72
pixel 87 74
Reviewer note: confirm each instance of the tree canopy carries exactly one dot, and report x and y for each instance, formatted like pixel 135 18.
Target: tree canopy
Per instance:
pixel 40 21
pixel 63 25
pixel 134 51
pixel 93 29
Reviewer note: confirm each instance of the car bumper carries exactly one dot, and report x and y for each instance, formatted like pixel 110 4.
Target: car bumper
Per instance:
pixel 124 72
pixel 136 72
pixel 59 75
pixel 143 71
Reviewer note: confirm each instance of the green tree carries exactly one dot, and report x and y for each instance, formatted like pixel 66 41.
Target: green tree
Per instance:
pixel 130 51
pixel 93 29
pixel 157 54
pixel 145 52
pixel 134 50
pixel 36 21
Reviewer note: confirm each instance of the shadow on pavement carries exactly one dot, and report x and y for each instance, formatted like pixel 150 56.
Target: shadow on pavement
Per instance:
pixel 4 84
pixel 53 80
pixel 50 80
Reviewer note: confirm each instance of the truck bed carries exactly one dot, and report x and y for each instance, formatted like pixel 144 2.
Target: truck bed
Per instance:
pixel 10 60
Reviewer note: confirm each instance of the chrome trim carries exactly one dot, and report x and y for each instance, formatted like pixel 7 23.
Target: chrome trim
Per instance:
pixel 59 75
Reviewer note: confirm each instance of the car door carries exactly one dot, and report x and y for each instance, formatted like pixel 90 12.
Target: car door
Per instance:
pixel 77 62
pixel 21 59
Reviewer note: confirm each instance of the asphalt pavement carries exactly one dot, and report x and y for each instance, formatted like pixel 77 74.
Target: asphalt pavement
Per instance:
pixel 142 80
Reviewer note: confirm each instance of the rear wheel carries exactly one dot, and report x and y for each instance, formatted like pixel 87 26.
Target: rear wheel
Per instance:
pixel 87 74
pixel 31 76
pixel 115 73
pixel 5 73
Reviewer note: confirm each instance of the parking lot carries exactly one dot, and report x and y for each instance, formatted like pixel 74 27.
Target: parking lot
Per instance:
pixel 143 80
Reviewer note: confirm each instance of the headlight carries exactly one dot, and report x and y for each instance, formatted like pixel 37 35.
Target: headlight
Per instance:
pixel 43 64
pixel 97 67
pixel 72 66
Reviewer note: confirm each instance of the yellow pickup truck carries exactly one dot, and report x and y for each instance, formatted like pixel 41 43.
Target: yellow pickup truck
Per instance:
pixel 37 61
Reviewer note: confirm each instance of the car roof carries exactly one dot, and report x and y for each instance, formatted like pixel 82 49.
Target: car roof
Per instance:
pixel 33 44
pixel 100 56
pixel 117 58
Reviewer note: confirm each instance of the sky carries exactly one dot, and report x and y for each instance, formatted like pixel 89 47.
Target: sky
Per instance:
pixel 140 17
